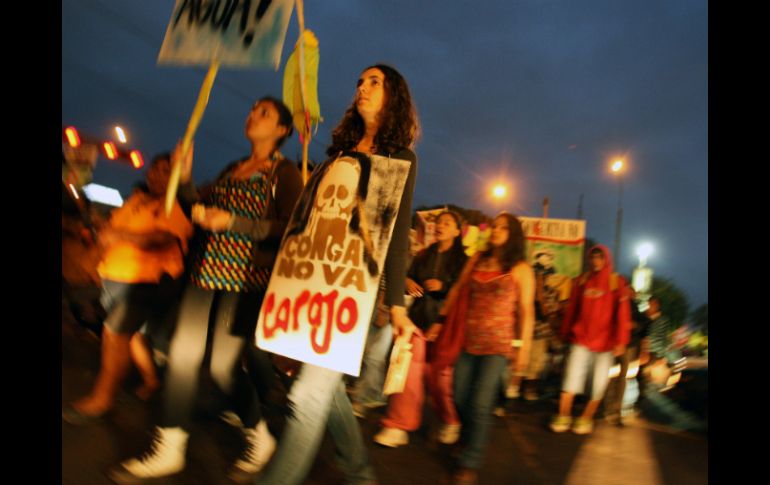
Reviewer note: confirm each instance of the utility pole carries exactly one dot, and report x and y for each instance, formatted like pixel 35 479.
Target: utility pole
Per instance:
pixel 580 208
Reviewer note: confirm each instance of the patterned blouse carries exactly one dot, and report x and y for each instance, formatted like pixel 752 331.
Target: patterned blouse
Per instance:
pixel 224 260
pixel 491 313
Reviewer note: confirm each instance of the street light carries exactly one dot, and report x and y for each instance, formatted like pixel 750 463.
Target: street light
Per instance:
pixel 499 191
pixel 643 252
pixel 642 276
pixel 499 194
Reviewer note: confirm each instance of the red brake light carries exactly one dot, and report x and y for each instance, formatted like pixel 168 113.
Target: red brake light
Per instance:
pixel 110 150
pixel 136 159
pixel 72 136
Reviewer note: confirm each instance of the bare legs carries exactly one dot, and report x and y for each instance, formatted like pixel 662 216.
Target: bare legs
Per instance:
pixel 141 355
pixel 118 350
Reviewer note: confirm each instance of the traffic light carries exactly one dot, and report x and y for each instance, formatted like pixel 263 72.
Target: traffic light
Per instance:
pixel 108 148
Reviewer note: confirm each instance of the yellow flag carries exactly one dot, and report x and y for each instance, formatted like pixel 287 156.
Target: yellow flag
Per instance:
pixel 300 84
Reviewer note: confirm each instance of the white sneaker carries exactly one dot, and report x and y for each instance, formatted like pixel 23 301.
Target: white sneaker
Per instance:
pixel 512 392
pixel 448 434
pixel 260 446
pixel 392 437
pixel 166 457
pixel 583 426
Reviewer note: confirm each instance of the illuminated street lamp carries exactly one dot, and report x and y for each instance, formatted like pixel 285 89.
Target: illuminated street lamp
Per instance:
pixel 643 252
pixel 499 194
pixel 641 280
pixel 499 191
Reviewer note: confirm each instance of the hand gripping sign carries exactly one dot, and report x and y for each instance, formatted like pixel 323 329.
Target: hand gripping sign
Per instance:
pixel 237 33
pixel 323 289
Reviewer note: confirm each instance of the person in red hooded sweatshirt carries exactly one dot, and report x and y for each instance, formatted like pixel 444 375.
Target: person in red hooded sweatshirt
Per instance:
pixel 597 324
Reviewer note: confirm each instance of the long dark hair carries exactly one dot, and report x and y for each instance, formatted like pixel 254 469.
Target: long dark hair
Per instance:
pixel 399 125
pixel 513 250
pixel 456 253
pixel 284 118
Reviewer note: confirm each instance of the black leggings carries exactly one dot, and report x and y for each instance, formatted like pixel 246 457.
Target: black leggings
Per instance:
pixel 188 348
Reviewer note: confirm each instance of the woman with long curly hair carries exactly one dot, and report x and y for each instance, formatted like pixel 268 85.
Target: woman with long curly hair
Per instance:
pixel 495 292
pixel 381 121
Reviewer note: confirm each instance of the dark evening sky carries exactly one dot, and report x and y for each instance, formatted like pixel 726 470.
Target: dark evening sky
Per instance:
pixel 543 94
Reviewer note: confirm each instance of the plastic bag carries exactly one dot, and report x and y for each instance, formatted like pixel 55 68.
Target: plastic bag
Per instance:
pixel 400 358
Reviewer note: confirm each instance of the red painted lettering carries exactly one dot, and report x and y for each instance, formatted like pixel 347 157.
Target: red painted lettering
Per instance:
pixel 323 315
pixel 282 317
pixel 320 300
pixel 348 305
pixel 267 309
pixel 301 301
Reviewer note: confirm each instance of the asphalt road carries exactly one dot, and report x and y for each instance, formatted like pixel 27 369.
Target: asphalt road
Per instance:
pixel 522 450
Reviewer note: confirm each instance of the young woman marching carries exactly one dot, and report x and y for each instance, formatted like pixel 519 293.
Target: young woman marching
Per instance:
pixel 431 275
pixel 495 292
pixel 381 121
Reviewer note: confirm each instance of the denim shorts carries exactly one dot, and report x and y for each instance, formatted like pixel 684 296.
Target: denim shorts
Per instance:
pixel 579 362
pixel 130 306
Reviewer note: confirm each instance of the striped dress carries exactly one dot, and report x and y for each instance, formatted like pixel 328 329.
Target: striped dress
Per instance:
pixel 660 330
pixel 224 260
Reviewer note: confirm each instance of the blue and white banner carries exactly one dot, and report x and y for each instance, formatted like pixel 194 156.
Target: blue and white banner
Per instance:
pixel 237 33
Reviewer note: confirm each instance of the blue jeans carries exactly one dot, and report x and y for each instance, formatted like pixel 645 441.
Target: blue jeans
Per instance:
pixel 188 349
pixel 476 385
pixel 132 306
pixel 368 389
pixel 319 402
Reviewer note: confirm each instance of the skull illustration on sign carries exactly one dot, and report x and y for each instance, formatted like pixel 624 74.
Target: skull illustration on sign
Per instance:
pixel 336 198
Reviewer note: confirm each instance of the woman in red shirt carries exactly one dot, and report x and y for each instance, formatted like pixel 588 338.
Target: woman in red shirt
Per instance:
pixel 494 293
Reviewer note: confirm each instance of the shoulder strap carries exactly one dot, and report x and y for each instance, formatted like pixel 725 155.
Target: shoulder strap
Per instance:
pixel 271 182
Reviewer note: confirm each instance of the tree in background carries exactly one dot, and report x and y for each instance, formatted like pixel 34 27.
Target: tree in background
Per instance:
pixel 700 318
pixel 673 301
